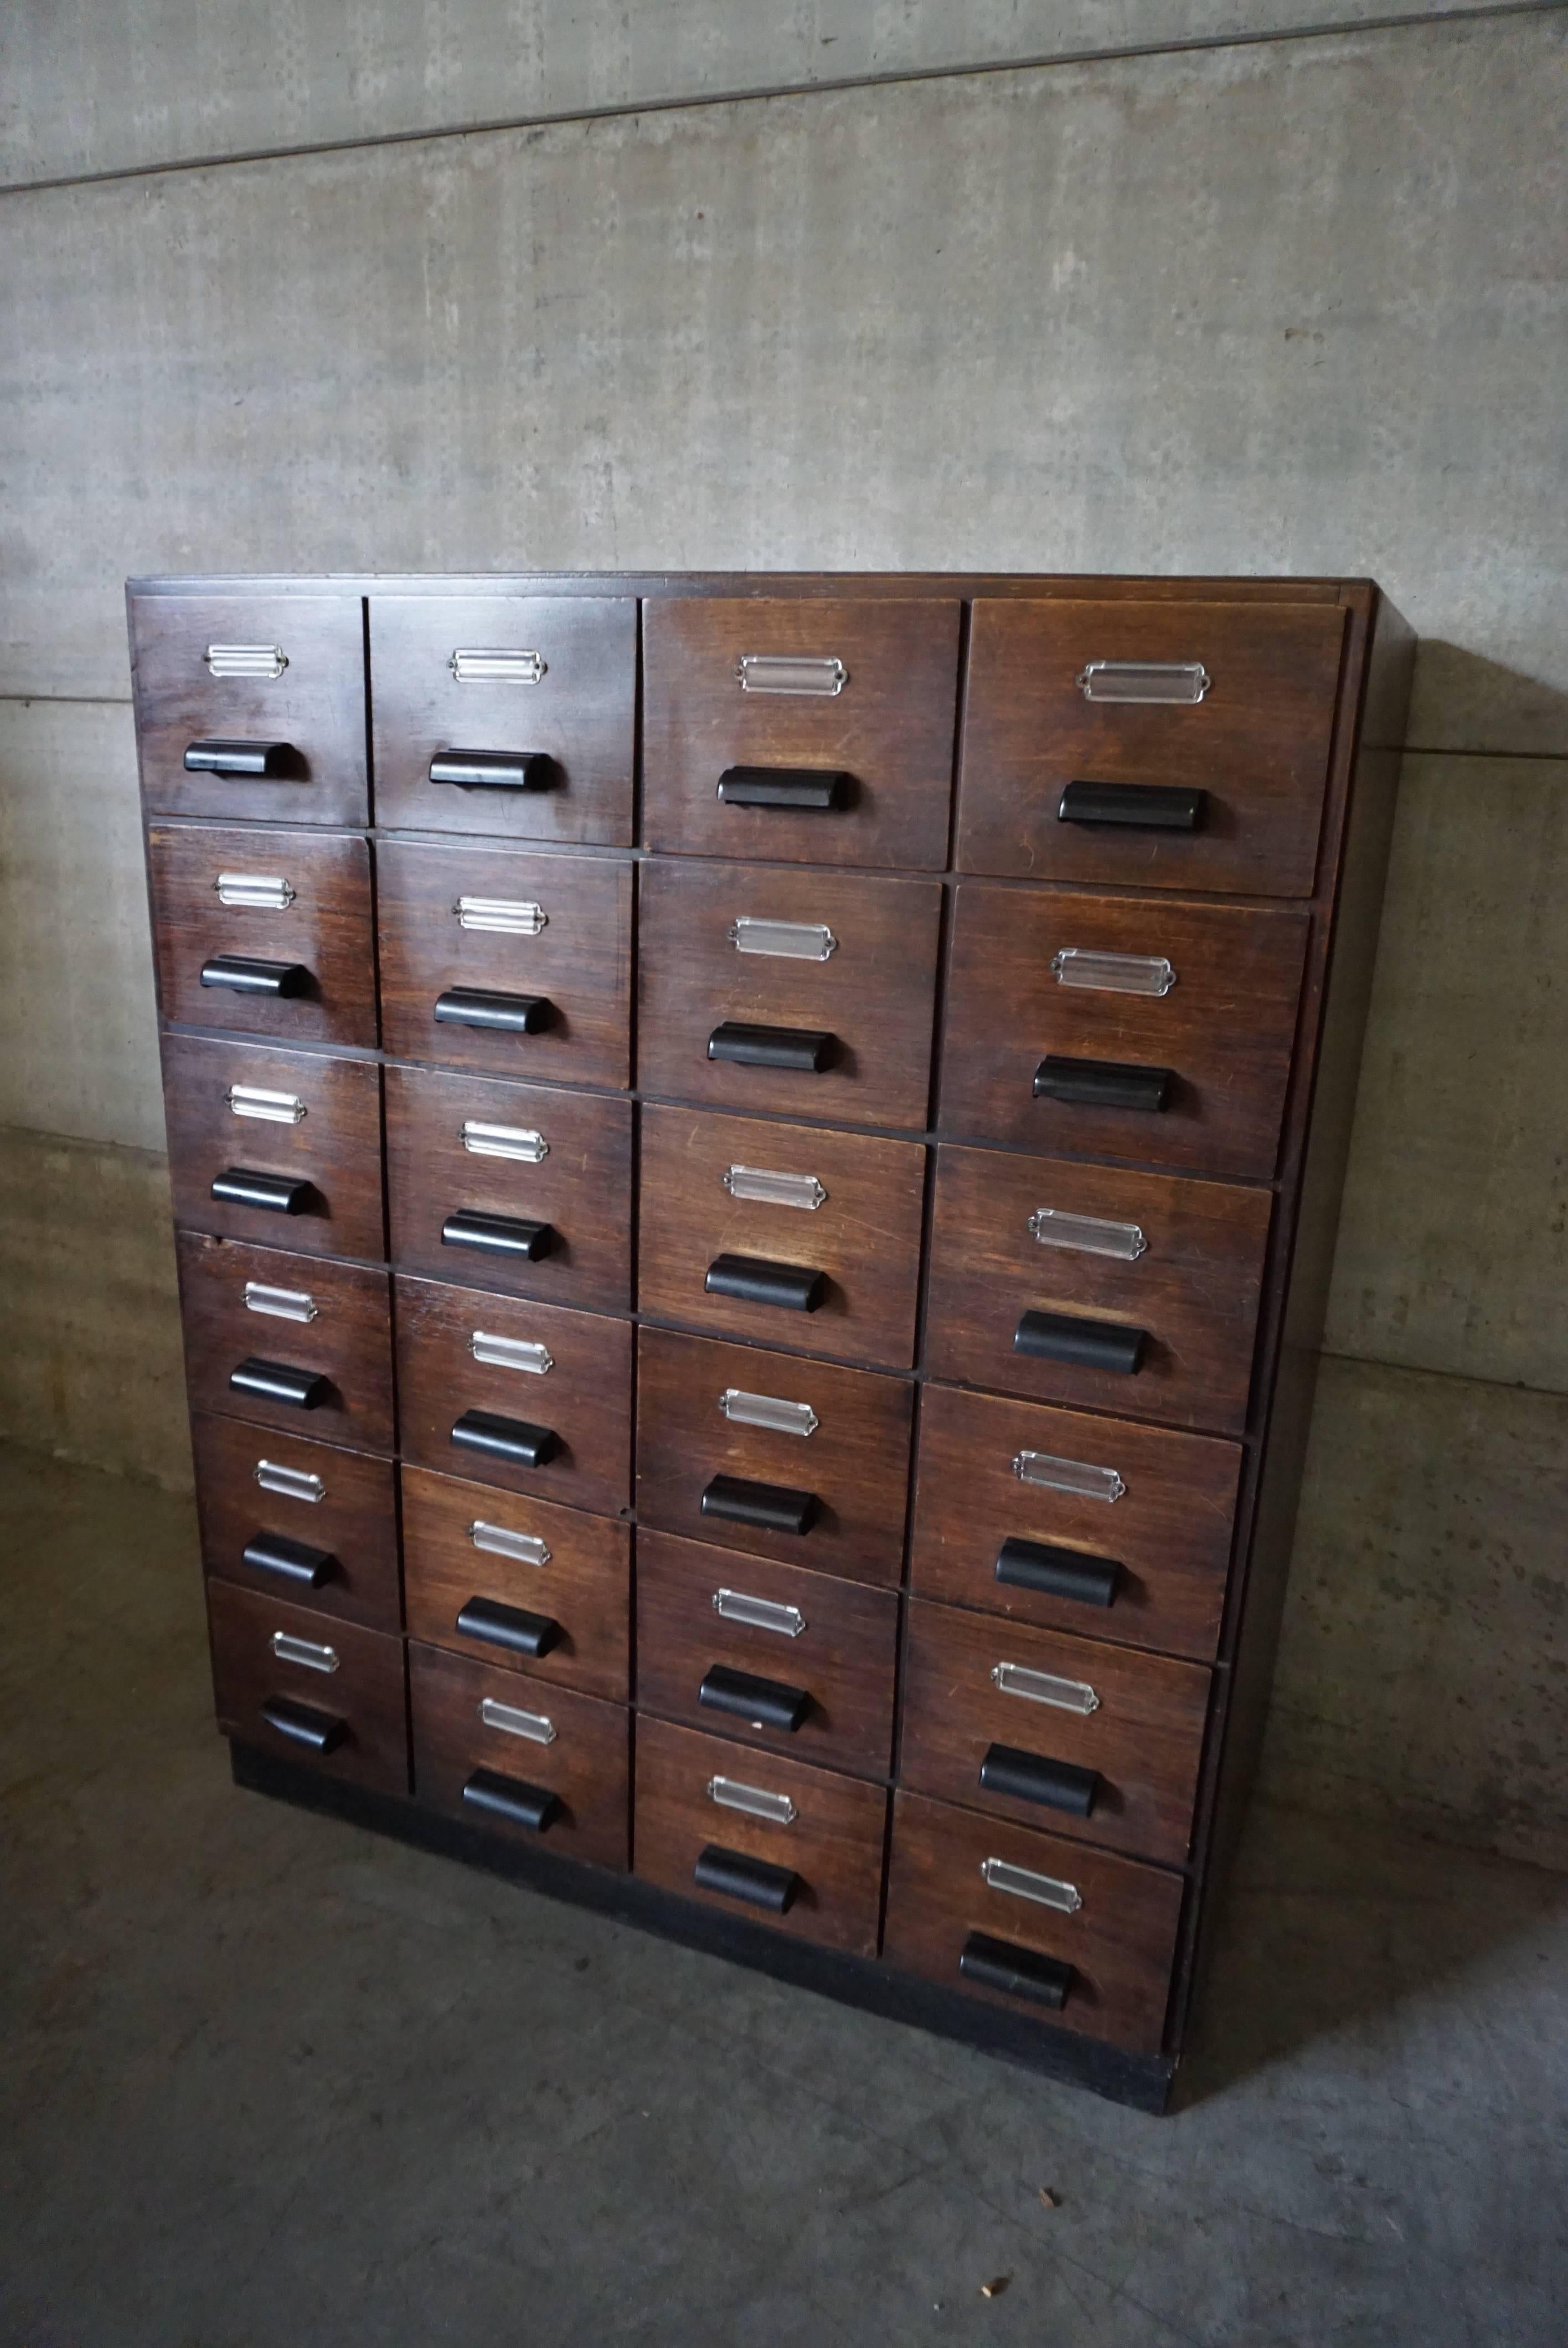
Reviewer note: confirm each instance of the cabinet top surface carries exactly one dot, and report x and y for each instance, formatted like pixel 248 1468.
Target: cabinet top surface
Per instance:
pixel 1071 585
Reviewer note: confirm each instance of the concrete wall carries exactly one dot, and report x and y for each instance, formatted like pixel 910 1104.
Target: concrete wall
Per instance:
pixel 1287 299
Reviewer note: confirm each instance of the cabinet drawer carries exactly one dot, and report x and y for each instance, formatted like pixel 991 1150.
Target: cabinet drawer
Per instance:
pixel 1108 1527
pixel 267 933
pixel 294 1684
pixel 762 1837
pixel 1086 1939
pixel 820 732
pixel 294 1342
pixel 1052 1731
pixel 1056 1034
pixel 526 1395
pixel 544 943
pixel 782 1231
pixel 525 1188
pixel 518 1583
pixel 538 1765
pixel 282 1147
pixel 780 1457
pixel 798 994
pixel 1073 1283
pixel 717 1634
pixel 1086 757
pixel 263 694
pixel 306 1523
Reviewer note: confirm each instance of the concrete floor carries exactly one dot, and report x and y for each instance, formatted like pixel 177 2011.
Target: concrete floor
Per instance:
pixel 270 2079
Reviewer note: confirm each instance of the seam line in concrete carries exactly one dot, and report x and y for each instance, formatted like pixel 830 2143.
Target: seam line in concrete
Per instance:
pixel 1399 21
pixel 75 700
pixel 1452 1377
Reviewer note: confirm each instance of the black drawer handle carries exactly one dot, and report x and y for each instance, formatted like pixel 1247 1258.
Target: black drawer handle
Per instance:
pixel 493 771
pixel 1085 1345
pixel 811 1049
pixel 274 761
pixel 772 1508
pixel 499 1234
pixel 1016 1973
pixel 1134 807
pixel 239 1186
pixel 522 1804
pixel 279 1381
pixel 1058 1572
pixel 301 1724
pixel 1102 1084
pixel 805 789
pixel 482 1006
pixel 512 1627
pixel 735 1877
pixel 765 1703
pixel 754 1281
pixel 248 974
pixel 514 1439
pixel 1030 1777
pixel 290 1561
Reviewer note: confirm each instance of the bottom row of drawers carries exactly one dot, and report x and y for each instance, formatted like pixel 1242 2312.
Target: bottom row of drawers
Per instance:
pixel 1024 1919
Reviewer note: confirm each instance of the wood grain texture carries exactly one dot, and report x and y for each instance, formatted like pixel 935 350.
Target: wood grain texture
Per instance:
pixel 580 714
pixel 875 994
pixel 1169 1532
pixel 857 1460
pixel 580 962
pixel 335 1146
pixel 327 930
pixel 1145 1739
pixel 1194 1291
pixel 585 1396
pixel 585 1765
pixel 348 1342
pixel 833 1845
pixel 582 1188
pixel 585 1585
pixel 1225 1028
pixel 355 1519
pixel 891 728
pixel 317 705
pixel 865 1236
pixel 845 1657
pixel 1119 1942
pixel 365 1692
pixel 1257 743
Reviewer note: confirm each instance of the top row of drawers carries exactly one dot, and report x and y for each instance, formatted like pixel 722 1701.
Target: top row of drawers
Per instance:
pixel 1162 743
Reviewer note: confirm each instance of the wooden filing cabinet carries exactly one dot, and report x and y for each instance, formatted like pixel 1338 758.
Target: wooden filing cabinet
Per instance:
pixel 755 1162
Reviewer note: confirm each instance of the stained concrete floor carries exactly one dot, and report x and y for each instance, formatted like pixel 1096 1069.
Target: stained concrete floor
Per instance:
pixel 269 2079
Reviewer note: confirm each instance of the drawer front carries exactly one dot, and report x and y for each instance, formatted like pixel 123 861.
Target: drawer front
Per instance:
pixel 819 732
pixel 279 922
pixel 294 1342
pixel 527 1396
pixel 551 935
pixel 292 1684
pixel 1106 1740
pixel 718 1632
pixel 843 991
pixel 1224 792
pixel 768 1840
pixel 1107 1527
pixel 518 1583
pixel 546 684
pixel 300 1521
pixel 782 1233
pixel 280 1147
pixel 524 1187
pixel 1105 1927
pixel 536 1764
pixel 1040 996
pixel 777 1457
pixel 264 692
pixel 1136 1293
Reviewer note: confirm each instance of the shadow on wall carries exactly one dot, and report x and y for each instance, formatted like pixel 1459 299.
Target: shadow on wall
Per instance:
pixel 1462 702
